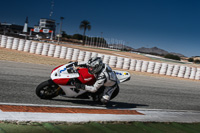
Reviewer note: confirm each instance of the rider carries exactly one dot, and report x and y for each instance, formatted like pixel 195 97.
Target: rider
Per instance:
pixel 106 80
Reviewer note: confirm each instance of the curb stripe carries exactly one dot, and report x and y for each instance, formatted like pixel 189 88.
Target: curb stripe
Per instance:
pixel 48 105
pixel 15 108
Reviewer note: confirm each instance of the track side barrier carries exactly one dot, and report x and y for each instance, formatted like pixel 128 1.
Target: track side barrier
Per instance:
pixel 63 52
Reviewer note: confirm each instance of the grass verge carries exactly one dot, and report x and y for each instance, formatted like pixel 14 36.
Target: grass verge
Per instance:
pixel 141 127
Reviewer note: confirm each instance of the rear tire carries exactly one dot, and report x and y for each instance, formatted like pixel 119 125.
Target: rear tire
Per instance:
pixel 115 93
pixel 47 90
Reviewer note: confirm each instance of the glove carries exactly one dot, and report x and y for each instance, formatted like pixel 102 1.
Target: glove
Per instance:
pixel 80 86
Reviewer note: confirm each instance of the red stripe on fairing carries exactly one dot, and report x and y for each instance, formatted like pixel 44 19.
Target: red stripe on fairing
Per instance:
pixel 62 81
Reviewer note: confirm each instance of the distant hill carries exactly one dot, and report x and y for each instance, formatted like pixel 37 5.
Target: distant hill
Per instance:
pixel 153 50
pixel 180 55
pixel 156 51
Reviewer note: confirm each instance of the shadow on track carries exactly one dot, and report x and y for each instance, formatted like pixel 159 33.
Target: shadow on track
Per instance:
pixel 110 105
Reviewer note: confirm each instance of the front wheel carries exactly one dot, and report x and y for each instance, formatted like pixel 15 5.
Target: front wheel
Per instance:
pixel 47 90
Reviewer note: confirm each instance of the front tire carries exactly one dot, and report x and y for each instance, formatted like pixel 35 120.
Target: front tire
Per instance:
pixel 47 90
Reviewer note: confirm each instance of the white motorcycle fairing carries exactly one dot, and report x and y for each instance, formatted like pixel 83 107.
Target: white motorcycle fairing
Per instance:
pixel 69 71
pixel 71 91
pixel 123 76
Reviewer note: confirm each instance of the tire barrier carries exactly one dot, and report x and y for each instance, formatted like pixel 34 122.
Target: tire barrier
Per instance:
pixel 169 69
pixel 87 56
pixel 51 50
pixel 163 69
pixel 3 41
pixel 69 53
pixel 21 45
pixel 187 72
pixel 94 54
pixel 33 47
pixel 120 62
pixel 138 65
pixel 144 66
pixel 126 64
pixel 27 46
pixel 9 42
pixel 157 68
pixel 193 73
pixel 133 64
pixel 45 49
pixel 106 59
pixel 113 61
pixel 100 55
pixel 81 56
pixel 175 70
pixel 181 72
pixel 39 48
pixel 15 43
pixel 75 54
pixel 63 52
pixel 197 76
pixel 151 67
pixel 57 51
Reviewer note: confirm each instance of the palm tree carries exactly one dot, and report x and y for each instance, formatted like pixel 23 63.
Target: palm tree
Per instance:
pixel 61 20
pixel 84 25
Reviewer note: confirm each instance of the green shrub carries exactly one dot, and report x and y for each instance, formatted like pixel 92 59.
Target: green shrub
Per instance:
pixel 171 56
pixel 197 61
pixel 77 36
pixel 190 59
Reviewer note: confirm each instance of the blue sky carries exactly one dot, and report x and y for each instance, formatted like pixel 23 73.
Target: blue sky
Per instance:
pixel 173 25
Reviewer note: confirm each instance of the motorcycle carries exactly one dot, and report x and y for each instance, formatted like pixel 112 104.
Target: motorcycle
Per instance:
pixel 64 77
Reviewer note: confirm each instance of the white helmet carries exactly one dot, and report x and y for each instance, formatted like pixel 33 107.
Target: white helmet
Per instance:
pixel 95 64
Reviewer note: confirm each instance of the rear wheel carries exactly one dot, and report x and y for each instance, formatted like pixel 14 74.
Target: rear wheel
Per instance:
pixel 115 93
pixel 47 90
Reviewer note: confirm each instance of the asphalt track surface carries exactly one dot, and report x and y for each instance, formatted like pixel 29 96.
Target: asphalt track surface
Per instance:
pixel 19 80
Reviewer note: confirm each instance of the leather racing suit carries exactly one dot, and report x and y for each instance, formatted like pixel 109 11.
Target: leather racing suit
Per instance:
pixel 107 79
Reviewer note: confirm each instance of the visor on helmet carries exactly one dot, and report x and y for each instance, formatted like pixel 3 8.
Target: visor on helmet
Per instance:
pixel 94 65
pixel 91 69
